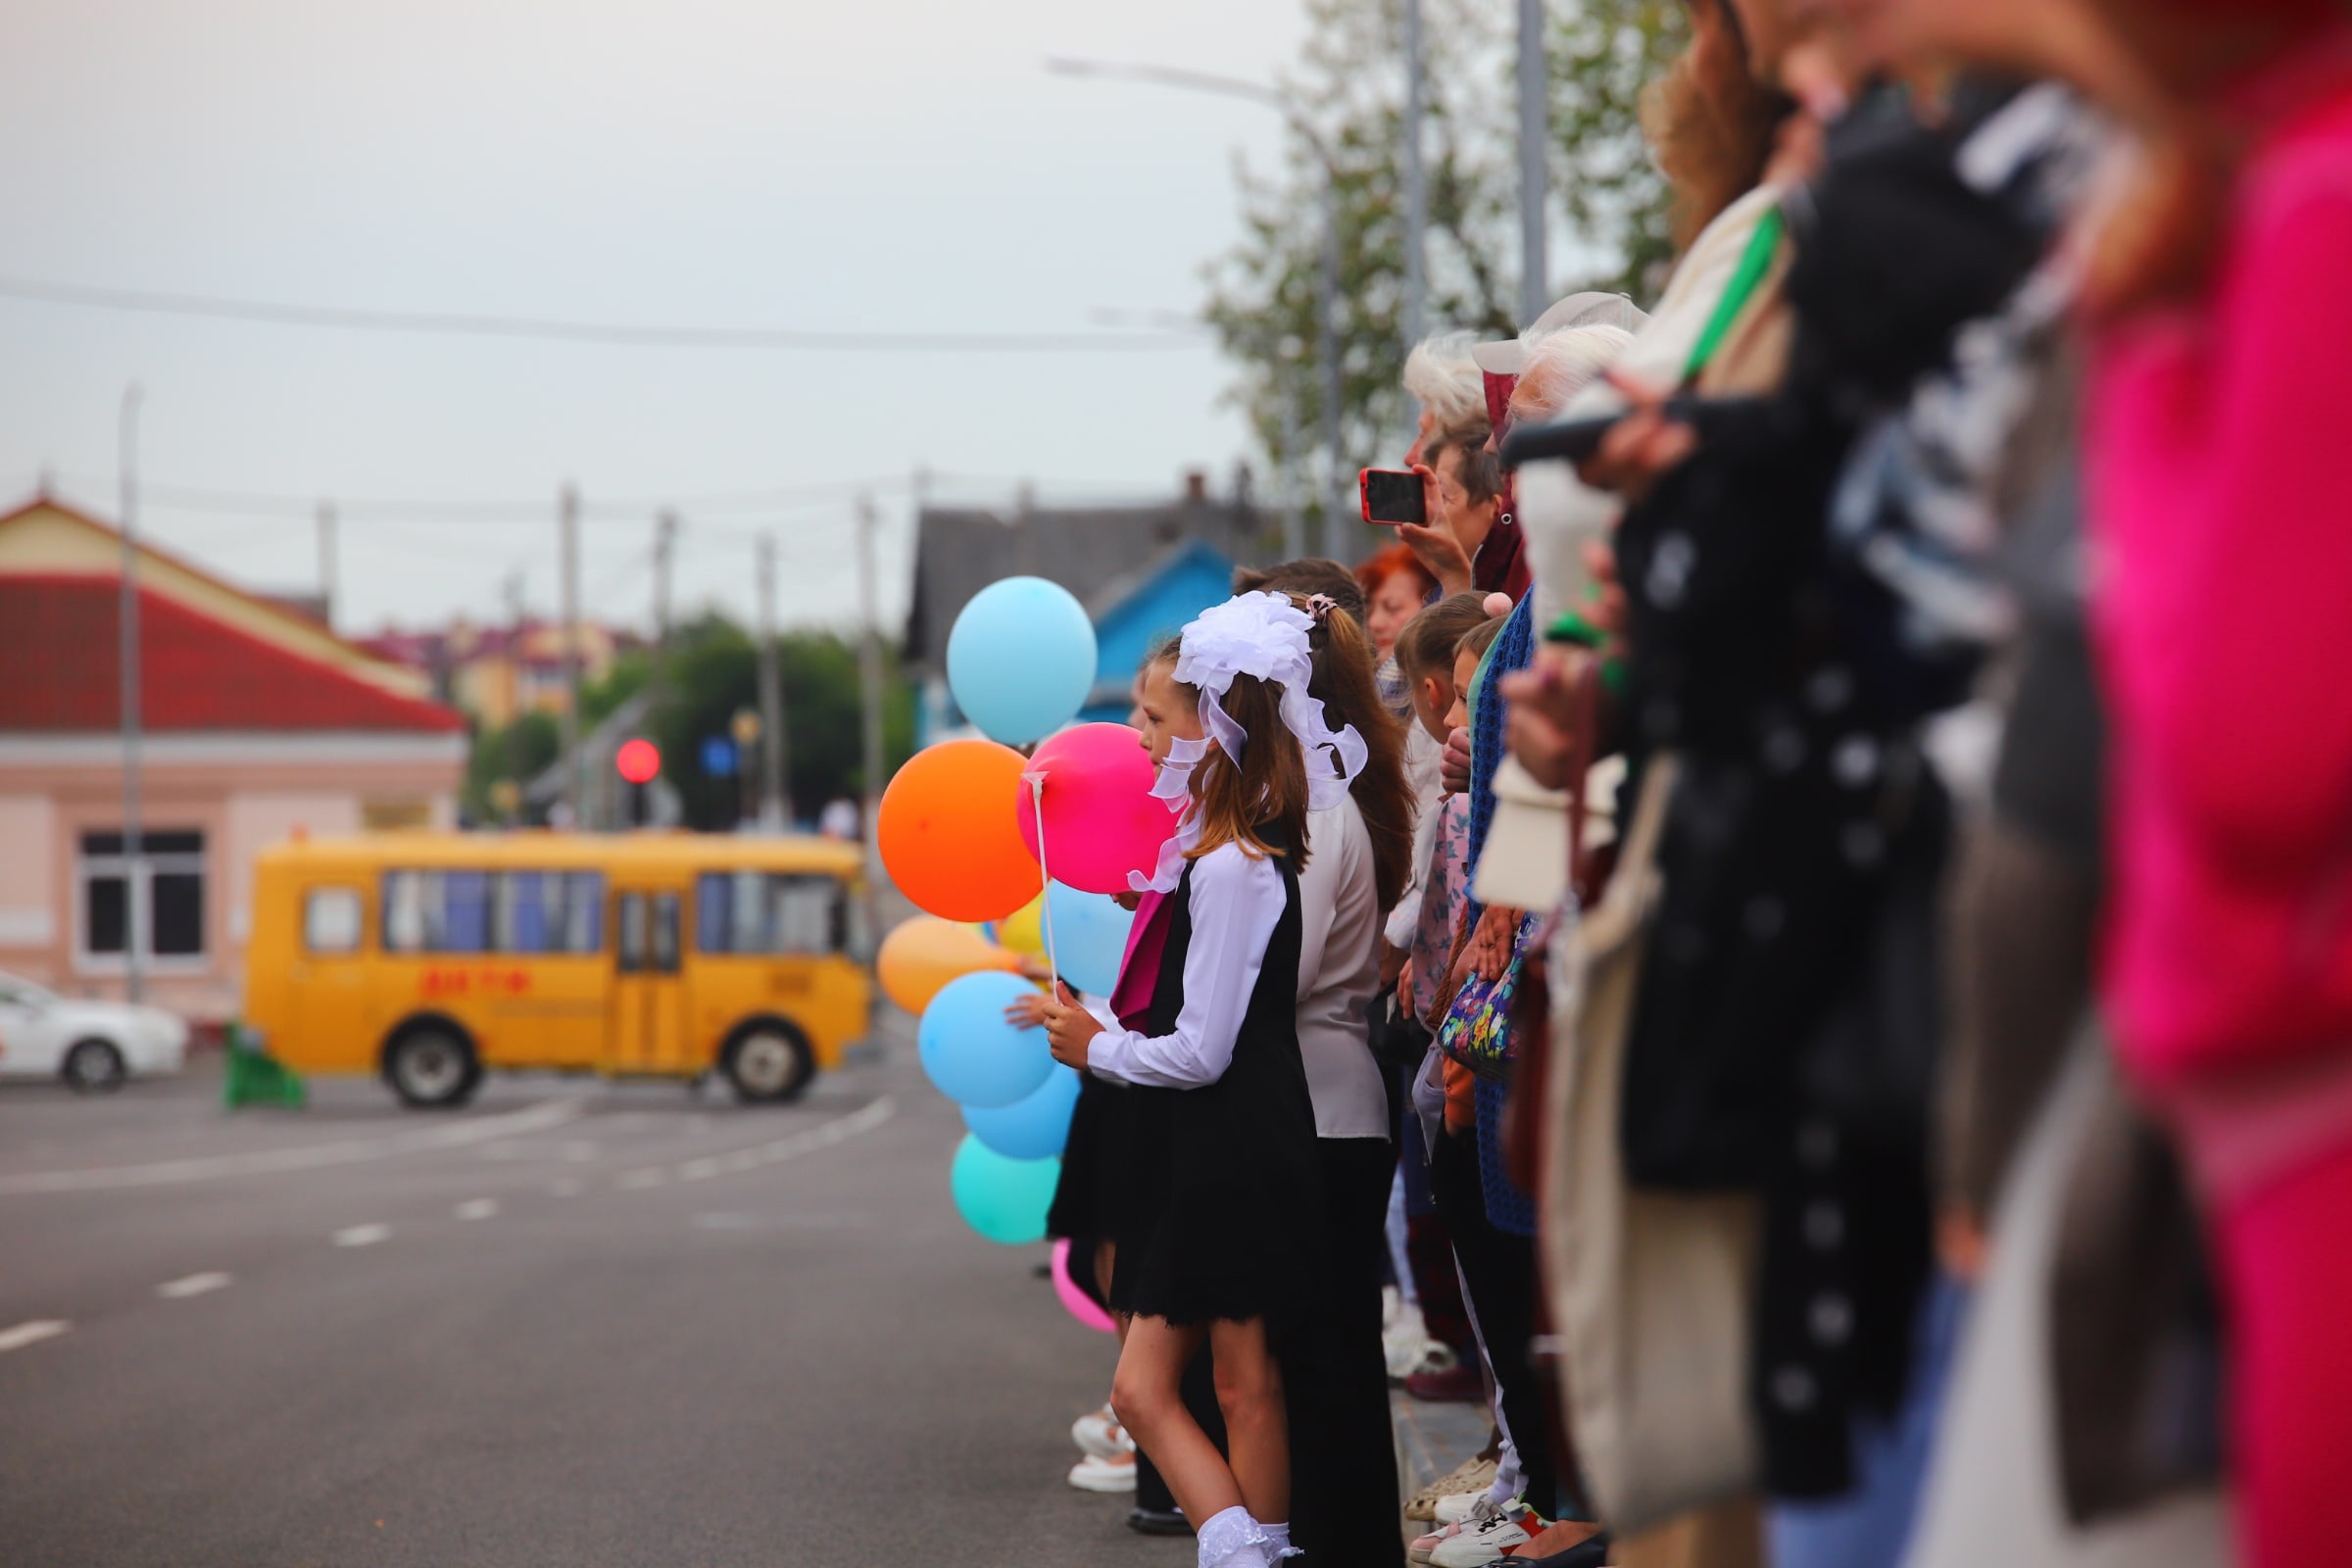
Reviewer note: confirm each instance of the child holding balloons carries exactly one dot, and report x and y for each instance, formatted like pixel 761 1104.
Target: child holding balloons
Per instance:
pixel 1217 1225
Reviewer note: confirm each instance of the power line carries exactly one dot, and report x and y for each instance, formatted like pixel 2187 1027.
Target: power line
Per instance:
pixel 201 499
pixel 469 325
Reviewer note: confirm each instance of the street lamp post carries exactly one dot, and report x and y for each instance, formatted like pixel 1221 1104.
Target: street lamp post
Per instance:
pixel 1327 284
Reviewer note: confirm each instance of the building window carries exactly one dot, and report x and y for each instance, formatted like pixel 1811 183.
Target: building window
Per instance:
pixel 752 912
pixel 330 920
pixel 164 890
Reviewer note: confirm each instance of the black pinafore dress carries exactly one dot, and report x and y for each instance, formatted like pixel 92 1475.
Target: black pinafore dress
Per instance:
pixel 1221 1211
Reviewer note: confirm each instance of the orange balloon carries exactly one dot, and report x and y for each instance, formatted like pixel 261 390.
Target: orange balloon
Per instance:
pixel 924 954
pixel 950 837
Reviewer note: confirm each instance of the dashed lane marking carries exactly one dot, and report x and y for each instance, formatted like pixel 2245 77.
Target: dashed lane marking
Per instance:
pixel 33 1333
pixel 362 1234
pixel 792 1146
pixel 477 1208
pixel 309 1156
pixel 187 1285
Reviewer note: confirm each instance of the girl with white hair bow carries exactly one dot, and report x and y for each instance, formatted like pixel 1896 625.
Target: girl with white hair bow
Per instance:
pixel 1218 1228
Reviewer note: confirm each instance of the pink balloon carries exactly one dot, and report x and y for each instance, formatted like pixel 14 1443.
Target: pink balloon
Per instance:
pixel 1100 820
pixel 1082 1307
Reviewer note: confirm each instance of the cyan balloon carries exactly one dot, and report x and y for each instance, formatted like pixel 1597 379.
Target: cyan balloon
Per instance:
pixel 1034 1128
pixel 1022 659
pixel 971 1053
pixel 1004 1199
pixel 1090 937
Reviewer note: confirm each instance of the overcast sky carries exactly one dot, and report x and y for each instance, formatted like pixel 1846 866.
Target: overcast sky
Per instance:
pixel 888 165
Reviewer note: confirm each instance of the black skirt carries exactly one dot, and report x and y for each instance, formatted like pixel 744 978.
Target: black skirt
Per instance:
pixel 1221 1203
pixel 1093 1164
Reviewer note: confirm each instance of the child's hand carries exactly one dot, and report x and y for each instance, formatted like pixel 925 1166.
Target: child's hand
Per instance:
pixel 1129 900
pixel 1033 966
pixel 1454 770
pixel 1026 1012
pixel 1069 1028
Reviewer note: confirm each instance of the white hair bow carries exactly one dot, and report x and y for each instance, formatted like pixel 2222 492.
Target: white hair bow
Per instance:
pixel 1262 635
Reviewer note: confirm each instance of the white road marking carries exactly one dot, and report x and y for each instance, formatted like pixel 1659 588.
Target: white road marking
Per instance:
pixel 362 1234
pixel 310 1157
pixel 179 1290
pixel 33 1333
pixel 477 1208
pixel 807 1141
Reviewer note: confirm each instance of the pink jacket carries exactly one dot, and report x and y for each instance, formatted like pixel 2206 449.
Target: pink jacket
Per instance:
pixel 2220 449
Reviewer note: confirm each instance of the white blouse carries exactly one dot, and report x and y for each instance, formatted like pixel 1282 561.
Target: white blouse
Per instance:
pixel 1339 970
pixel 1236 903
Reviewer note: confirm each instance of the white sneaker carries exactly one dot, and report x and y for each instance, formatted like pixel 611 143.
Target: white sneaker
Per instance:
pixel 1097 1474
pixel 1407 1348
pixel 1453 1510
pixel 1098 1433
pixel 1471 1508
pixel 1478 1543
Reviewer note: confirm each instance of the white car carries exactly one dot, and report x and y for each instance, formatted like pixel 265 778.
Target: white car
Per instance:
pixel 93 1046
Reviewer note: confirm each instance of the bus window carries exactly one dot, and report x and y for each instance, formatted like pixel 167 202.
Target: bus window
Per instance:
pixel 758 912
pixel 547 911
pixel 436 911
pixel 330 920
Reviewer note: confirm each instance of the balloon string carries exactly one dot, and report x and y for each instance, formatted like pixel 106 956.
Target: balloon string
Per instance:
pixel 1045 901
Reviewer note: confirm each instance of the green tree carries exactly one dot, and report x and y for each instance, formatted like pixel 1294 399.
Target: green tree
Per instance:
pixel 516 751
pixel 1350 85
pixel 713 675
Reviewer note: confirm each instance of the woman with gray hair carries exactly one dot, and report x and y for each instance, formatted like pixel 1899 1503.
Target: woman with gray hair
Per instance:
pixel 1447 383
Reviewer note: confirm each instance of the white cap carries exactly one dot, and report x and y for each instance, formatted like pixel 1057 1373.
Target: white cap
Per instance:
pixel 1593 308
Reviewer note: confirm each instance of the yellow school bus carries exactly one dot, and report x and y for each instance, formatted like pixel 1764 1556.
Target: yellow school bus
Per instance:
pixel 435 958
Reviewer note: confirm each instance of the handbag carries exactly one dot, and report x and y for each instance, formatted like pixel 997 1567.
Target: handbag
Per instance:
pixel 1652 1292
pixel 1477 1029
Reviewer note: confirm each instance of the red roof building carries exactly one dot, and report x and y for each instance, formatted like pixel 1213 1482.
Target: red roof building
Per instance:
pixel 258 722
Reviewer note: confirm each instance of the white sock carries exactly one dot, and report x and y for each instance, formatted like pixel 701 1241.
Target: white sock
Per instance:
pixel 1233 1539
pixel 1278 1542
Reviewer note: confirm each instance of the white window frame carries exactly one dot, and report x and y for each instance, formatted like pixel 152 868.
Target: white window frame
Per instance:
pixel 140 875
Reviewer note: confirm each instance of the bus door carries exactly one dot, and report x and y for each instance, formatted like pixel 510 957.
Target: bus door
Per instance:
pixel 649 995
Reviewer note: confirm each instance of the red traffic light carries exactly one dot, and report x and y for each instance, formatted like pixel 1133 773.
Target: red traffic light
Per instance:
pixel 638 760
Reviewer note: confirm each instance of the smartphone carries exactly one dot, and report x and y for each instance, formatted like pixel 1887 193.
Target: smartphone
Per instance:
pixel 1577 439
pixel 1392 496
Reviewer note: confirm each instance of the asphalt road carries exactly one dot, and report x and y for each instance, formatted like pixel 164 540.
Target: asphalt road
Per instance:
pixel 579 1323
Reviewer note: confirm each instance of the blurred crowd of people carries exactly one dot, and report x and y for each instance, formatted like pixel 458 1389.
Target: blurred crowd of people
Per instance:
pixel 1829 1005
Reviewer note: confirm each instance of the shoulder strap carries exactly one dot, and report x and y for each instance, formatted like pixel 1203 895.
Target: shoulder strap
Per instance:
pixel 1754 262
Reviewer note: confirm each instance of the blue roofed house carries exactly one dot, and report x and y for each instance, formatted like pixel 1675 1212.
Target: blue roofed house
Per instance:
pixel 1142 571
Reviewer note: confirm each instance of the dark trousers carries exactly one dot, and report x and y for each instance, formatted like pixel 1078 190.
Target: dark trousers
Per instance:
pixel 1344 1502
pixel 1499 1269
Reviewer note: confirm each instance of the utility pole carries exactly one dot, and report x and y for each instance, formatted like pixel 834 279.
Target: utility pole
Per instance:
pixel 1416 188
pixel 1535 284
pixel 666 538
pixel 1335 514
pixel 326 562
pixel 568 514
pixel 134 860
pixel 1294 441
pixel 775 808
pixel 870 673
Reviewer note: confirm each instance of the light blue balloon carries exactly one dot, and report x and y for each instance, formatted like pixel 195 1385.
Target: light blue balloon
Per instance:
pixel 971 1053
pixel 1004 1199
pixel 1022 659
pixel 1090 937
pixel 1034 1128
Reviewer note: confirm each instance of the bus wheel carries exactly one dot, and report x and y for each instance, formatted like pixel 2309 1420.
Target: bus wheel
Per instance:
pixel 432 1065
pixel 769 1062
